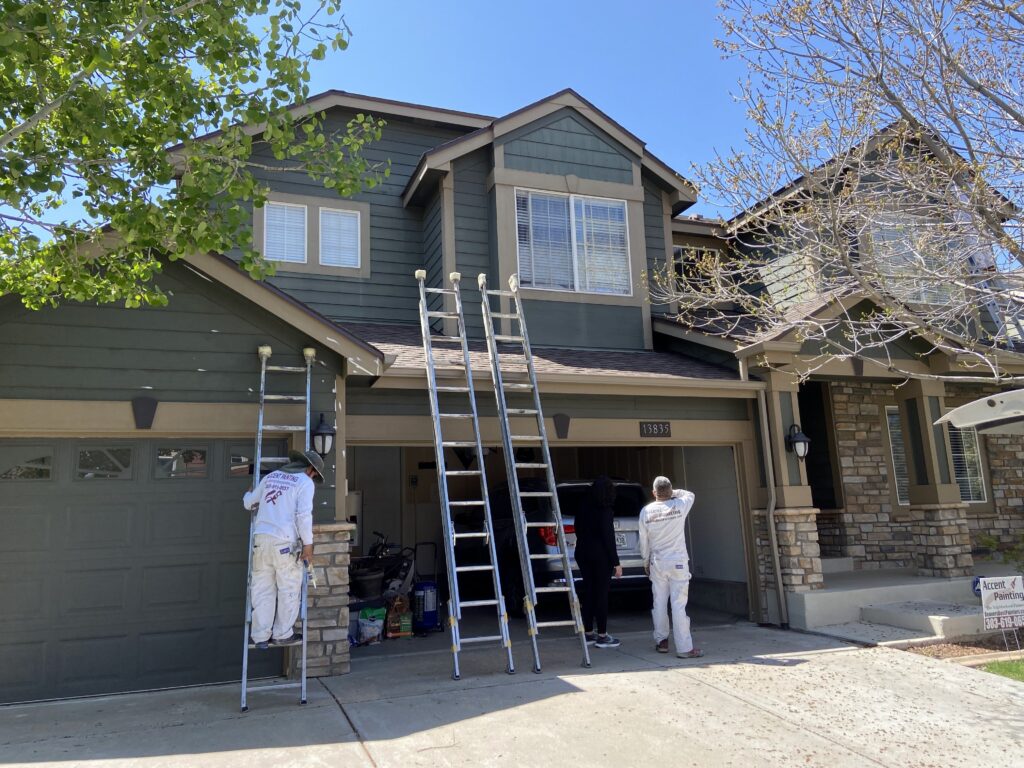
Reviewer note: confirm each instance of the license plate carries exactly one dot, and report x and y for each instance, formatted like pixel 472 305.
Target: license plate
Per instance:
pixel 620 540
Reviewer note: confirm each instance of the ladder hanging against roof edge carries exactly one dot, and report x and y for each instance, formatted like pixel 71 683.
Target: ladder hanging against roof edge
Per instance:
pixel 511 442
pixel 441 420
pixel 264 352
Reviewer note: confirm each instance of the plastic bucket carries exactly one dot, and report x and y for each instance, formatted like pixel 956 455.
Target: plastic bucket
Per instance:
pixel 368 583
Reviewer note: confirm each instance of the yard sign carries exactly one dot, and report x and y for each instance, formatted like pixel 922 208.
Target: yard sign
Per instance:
pixel 1002 602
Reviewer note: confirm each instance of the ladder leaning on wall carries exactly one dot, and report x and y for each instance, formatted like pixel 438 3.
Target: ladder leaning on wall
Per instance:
pixel 444 423
pixel 512 370
pixel 264 352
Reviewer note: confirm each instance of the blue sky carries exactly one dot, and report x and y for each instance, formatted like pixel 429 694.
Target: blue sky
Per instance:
pixel 651 65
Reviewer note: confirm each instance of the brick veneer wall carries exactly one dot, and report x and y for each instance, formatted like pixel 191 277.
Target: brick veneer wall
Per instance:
pixel 869 534
pixel 327 648
pixel 1005 481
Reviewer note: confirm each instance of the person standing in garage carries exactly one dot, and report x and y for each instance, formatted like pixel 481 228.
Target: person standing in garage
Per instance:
pixel 284 519
pixel 597 559
pixel 667 563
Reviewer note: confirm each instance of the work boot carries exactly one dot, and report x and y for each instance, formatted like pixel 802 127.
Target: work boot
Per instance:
pixel 662 646
pixel 262 645
pixel 295 639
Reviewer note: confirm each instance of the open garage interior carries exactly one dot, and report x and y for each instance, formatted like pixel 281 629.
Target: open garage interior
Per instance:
pixel 393 492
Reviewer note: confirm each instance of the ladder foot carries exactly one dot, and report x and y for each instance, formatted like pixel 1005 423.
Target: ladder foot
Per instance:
pixel 302 702
pixel 536 669
pixel 586 664
pixel 245 709
pixel 510 670
pixel 456 677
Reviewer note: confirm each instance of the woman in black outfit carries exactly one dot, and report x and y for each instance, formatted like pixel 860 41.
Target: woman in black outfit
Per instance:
pixel 597 560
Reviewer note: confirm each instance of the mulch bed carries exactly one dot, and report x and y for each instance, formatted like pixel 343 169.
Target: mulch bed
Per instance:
pixel 968 648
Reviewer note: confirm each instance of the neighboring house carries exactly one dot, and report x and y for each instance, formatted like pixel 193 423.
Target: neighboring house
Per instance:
pixel 126 435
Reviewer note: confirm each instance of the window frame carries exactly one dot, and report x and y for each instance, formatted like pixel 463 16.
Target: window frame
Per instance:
pixel 320 236
pixel 572 197
pixel 133 466
pixel 305 231
pixel 54 464
pixel 158 444
pixel 896 220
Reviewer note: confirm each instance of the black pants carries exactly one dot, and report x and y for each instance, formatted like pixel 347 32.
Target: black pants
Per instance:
pixel 597 578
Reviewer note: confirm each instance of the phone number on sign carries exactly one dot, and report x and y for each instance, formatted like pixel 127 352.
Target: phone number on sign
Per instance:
pixel 1004 622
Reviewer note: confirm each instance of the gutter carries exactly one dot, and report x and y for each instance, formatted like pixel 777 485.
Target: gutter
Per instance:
pixel 769 469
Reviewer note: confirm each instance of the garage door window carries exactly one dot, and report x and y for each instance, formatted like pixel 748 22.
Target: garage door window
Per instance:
pixel 26 462
pixel 178 462
pixel 104 463
pixel 240 458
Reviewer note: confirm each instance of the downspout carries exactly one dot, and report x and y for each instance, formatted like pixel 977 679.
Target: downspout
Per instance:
pixel 766 448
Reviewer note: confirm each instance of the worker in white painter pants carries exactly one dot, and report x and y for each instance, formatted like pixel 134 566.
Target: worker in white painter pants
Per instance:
pixel 667 564
pixel 284 521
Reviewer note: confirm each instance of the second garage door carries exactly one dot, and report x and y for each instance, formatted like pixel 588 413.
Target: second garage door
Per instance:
pixel 122 566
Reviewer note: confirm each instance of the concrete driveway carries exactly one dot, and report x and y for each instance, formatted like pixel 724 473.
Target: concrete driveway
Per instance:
pixel 760 697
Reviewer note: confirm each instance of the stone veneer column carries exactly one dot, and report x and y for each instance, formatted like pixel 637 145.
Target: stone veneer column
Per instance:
pixel 799 553
pixel 942 541
pixel 327 649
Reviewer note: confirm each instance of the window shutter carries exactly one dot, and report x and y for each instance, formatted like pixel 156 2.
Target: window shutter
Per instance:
pixel 967 467
pixel 899 455
pixel 339 238
pixel 284 232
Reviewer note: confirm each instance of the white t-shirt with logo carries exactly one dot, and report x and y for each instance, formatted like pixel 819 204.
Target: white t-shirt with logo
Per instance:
pixel 663 530
pixel 286 506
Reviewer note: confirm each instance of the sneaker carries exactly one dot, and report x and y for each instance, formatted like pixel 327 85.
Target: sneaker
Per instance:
pixel 607 641
pixel 662 646
pixel 591 637
pixel 260 646
pixel 696 653
pixel 295 639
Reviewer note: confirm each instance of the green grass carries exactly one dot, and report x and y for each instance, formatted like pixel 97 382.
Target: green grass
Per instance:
pixel 1011 669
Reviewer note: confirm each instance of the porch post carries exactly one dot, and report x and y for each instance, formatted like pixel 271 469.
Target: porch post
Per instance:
pixel 942 542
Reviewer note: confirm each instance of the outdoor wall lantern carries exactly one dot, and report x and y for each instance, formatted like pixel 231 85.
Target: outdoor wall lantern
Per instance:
pixel 797 442
pixel 323 437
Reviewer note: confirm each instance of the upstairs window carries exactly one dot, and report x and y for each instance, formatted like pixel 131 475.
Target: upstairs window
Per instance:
pixel 911 256
pixel 572 243
pixel 339 238
pixel 284 232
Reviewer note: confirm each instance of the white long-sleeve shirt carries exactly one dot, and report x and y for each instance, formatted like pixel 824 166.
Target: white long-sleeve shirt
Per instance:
pixel 663 529
pixel 286 506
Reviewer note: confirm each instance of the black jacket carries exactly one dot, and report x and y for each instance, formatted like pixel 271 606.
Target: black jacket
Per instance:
pixel 595 533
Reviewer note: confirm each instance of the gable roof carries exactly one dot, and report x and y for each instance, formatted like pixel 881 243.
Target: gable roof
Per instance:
pixel 362 357
pixel 436 162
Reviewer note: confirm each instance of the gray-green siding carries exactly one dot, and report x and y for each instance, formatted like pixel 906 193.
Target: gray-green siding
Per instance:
pixel 396 233
pixel 570 324
pixel 472 231
pixel 432 246
pixel 654 234
pixel 565 143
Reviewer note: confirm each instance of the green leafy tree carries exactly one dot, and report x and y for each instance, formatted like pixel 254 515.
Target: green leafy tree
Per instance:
pixel 132 131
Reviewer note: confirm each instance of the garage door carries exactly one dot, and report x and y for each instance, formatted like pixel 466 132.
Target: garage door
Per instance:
pixel 122 566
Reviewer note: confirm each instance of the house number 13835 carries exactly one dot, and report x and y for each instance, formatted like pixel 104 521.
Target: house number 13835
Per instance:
pixel 655 429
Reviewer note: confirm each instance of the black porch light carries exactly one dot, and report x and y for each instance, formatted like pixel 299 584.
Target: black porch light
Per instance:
pixel 323 437
pixel 797 442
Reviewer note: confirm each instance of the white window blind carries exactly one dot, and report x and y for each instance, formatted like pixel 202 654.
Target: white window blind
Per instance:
pixel 284 232
pixel 339 238
pixel 572 243
pixel 909 257
pixel 899 455
pixel 967 467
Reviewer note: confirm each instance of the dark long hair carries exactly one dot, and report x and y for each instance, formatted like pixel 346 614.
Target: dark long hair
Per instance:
pixel 603 492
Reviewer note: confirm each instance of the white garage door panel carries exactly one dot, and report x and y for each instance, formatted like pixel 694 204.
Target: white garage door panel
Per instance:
pixel 116 585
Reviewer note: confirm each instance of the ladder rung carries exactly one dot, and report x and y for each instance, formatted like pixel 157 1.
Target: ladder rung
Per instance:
pixel 515 385
pixel 531 465
pixel 273 686
pixel 446 291
pixel 455 415
pixel 465 503
pixel 468 568
pixel 548 524
pixel 462 472
pixel 274 460
pixel 535 494
pixel 508 339
pixel 293 398
pixel 505 315
pixel 286 368
pixel 476 603
pixel 284 428
pixel 546 556
pixel 445 339
pixel 521 411
pixel 472 535
pixel 526 438
pixel 551 589
pixel 453 389
pixel 458 444
pixel 481 638
pixel 503 294
pixel 448 315
pixel 562 623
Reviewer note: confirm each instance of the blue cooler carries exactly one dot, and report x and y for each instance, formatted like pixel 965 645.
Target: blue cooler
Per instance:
pixel 425 616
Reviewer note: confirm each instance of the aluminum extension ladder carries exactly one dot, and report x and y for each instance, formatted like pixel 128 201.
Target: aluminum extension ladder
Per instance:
pixel 522 365
pixel 264 352
pixel 443 422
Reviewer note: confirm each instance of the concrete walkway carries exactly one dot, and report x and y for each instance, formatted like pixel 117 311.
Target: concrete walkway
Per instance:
pixel 760 697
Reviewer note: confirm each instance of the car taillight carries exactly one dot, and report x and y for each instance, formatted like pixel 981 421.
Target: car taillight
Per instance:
pixel 549 537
